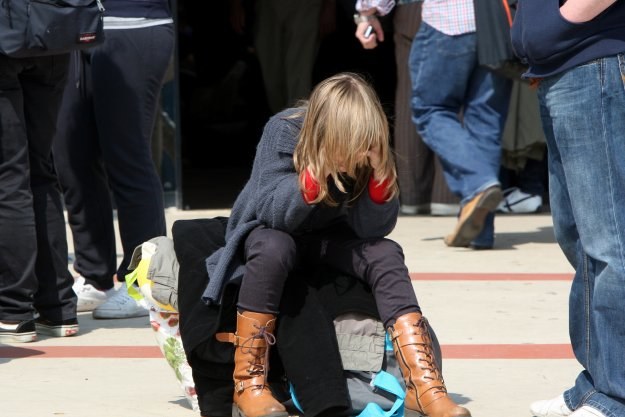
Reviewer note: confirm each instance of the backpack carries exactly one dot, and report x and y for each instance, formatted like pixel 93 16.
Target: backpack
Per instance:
pixel 373 376
pixel 49 27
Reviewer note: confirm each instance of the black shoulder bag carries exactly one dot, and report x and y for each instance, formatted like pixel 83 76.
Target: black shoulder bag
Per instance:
pixel 49 27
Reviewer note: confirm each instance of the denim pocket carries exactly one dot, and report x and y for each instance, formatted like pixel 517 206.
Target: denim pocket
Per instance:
pixel 574 101
pixel 442 45
pixel 455 46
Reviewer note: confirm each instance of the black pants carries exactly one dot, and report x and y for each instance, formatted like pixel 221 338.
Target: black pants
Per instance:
pixel 33 245
pixel 104 145
pixel 271 255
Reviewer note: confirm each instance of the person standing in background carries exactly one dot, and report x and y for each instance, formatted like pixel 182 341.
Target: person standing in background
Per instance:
pixel 34 278
pixel 523 171
pixel 576 53
pixel 447 79
pixel 103 147
pixel 286 38
pixel 422 186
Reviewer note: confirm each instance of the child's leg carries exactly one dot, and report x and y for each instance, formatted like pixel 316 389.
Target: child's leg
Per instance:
pixel 380 262
pixel 270 257
pixel 426 391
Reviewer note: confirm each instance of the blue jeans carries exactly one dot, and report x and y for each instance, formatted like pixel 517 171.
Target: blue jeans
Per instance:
pixel 446 79
pixel 583 112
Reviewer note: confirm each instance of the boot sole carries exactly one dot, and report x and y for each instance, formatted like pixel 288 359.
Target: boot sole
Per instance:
pixel 236 412
pixel 57 331
pixel 413 413
pixel 473 224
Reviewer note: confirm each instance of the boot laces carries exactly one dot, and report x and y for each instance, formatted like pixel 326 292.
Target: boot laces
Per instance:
pixel 427 357
pixel 259 366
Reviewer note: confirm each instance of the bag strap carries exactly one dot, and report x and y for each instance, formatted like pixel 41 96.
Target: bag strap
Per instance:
pixel 387 382
pixel 506 8
pixel 137 275
pixel 294 398
pixel 382 380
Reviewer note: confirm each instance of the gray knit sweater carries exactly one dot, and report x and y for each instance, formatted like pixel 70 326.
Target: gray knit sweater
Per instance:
pixel 272 198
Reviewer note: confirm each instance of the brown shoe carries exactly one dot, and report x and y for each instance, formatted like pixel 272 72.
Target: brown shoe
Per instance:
pixel 252 340
pixel 472 217
pixel 426 393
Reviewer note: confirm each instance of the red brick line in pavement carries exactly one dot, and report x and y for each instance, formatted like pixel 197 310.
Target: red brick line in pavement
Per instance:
pixel 470 351
pixel 461 276
pixel 78 352
pixel 508 351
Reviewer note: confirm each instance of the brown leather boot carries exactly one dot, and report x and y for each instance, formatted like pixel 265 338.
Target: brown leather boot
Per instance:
pixel 252 340
pixel 425 389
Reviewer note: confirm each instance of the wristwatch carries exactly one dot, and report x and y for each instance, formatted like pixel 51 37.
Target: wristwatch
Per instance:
pixel 359 18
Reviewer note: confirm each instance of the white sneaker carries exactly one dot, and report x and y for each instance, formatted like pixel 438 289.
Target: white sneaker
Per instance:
pixel 587 411
pixel 555 407
pixel 516 201
pixel 120 306
pixel 410 210
pixel 89 297
pixel 443 209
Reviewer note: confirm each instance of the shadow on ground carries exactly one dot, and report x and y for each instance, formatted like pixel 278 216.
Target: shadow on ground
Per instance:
pixel 88 323
pixel 510 240
pixel 507 240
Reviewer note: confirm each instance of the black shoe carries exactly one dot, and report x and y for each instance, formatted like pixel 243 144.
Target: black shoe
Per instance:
pixel 17 331
pixel 57 328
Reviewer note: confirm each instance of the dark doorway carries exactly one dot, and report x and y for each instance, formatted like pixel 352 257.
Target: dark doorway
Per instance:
pixel 222 105
pixel 222 100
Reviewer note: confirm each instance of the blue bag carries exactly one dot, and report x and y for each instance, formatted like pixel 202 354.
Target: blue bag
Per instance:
pixel 373 377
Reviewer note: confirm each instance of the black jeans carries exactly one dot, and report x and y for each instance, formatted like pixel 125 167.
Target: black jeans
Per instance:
pixel 272 254
pixel 103 146
pixel 33 245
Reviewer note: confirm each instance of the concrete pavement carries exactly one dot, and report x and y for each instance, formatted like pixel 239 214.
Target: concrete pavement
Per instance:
pixel 501 316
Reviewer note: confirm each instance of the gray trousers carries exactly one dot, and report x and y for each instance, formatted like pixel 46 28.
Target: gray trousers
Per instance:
pixel 286 37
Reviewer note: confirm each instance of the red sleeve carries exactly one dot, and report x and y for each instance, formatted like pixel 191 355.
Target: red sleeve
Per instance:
pixel 311 187
pixel 378 191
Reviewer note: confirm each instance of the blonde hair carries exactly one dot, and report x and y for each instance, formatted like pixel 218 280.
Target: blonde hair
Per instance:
pixel 343 119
